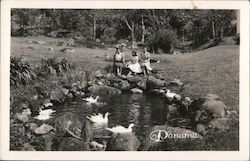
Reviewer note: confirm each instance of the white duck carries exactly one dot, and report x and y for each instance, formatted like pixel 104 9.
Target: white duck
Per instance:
pixel 99 118
pixel 95 144
pixel 44 114
pixel 121 129
pixel 91 99
pixel 47 104
pixel 43 117
pixel 172 95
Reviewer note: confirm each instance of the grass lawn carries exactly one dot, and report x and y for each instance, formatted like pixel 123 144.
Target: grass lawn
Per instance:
pixel 214 70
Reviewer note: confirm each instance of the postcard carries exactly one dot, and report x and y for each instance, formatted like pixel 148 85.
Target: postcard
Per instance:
pixel 124 80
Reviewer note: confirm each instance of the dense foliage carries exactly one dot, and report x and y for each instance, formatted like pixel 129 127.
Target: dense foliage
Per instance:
pixel 21 72
pixel 163 39
pixel 53 66
pixel 140 25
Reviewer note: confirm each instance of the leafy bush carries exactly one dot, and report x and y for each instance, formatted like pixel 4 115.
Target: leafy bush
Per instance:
pixel 21 73
pixel 162 39
pixel 53 66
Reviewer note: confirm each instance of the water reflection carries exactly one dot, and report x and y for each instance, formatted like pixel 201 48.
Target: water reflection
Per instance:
pixel 99 129
pixel 143 110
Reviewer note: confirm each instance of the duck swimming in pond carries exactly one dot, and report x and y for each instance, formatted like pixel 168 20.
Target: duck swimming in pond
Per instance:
pixel 121 129
pixel 99 118
pixel 44 114
pixel 91 99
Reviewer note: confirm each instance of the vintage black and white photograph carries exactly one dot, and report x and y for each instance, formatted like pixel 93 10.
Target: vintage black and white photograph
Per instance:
pixel 124 80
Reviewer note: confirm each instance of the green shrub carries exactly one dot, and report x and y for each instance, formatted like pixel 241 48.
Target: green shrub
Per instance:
pixel 163 39
pixel 21 73
pixel 53 67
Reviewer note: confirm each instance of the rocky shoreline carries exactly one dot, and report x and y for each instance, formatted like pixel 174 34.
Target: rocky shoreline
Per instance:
pixel 72 132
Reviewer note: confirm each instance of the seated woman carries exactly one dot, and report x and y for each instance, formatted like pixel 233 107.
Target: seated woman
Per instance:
pixel 145 57
pixel 118 61
pixel 134 66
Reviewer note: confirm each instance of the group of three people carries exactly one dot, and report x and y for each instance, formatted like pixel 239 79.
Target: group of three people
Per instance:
pixel 136 65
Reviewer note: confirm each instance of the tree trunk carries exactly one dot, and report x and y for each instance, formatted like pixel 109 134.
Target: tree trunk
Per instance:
pixel 156 20
pixel 94 26
pixel 182 35
pixel 221 33
pixel 143 30
pixel 133 35
pixel 153 19
pixel 213 30
pixel 132 30
pixel 54 19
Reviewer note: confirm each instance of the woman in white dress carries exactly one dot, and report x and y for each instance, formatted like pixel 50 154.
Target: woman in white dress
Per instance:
pixel 134 66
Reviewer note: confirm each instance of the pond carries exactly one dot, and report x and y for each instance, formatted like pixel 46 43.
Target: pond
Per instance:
pixel 144 110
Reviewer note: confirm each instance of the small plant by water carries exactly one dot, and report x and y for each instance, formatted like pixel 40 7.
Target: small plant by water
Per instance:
pixel 53 66
pixel 21 72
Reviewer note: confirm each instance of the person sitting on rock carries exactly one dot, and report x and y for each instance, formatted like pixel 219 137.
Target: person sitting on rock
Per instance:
pixel 118 61
pixel 134 65
pixel 145 58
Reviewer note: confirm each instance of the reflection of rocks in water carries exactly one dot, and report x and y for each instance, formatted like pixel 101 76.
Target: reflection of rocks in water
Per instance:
pixel 146 117
pixel 99 130
pixel 124 142
pixel 134 113
pixel 180 122
pixel 71 144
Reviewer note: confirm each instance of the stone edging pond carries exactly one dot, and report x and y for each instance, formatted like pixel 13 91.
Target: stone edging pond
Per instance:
pixel 71 132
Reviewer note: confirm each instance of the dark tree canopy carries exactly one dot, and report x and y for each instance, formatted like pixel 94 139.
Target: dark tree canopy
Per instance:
pixel 135 25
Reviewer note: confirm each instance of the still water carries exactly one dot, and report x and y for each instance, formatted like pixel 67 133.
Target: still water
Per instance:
pixel 143 110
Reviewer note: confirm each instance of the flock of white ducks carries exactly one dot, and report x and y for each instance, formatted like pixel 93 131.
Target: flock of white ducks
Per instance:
pixel 99 118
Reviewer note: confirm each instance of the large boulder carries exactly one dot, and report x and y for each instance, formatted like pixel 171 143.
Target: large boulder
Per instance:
pixel 124 85
pixel 57 96
pixel 153 83
pixel 136 90
pixel 124 142
pixel 104 90
pixel 164 137
pixel 214 106
pixel 142 84
pixel 43 129
pixel 31 126
pixel 71 124
pixel 49 140
pixel 121 84
pixel 22 118
pixel 157 92
pixel 209 104
pixel 134 79
pixel 220 123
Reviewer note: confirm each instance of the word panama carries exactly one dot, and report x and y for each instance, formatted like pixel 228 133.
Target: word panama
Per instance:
pixel 161 135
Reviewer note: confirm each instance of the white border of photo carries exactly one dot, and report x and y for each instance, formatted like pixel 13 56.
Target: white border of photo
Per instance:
pixel 242 154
